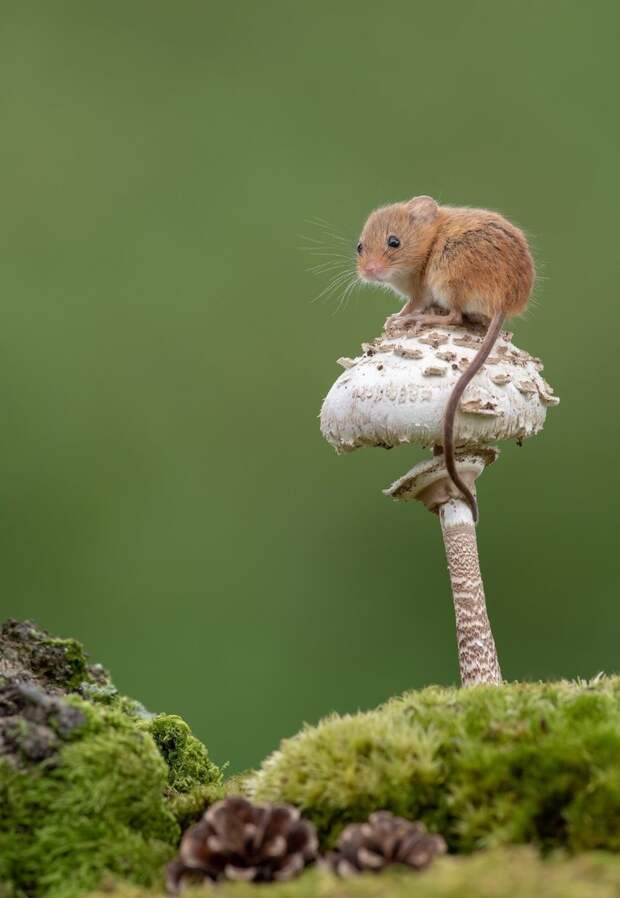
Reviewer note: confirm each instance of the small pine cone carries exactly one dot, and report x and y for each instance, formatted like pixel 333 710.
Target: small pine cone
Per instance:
pixel 238 840
pixel 179 877
pixel 384 840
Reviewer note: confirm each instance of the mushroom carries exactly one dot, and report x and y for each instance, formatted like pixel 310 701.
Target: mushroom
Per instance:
pixel 395 393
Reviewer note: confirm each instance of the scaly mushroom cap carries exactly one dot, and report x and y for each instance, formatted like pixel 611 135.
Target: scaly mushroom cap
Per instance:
pixel 397 391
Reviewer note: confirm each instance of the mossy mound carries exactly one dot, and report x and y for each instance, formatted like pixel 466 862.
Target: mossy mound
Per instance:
pixel 94 790
pixel 91 785
pixel 30 654
pixel 500 873
pixel 525 763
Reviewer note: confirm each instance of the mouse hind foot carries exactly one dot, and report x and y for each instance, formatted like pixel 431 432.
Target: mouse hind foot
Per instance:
pixel 454 317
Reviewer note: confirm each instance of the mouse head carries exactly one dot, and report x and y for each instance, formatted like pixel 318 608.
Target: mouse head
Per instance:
pixel 395 241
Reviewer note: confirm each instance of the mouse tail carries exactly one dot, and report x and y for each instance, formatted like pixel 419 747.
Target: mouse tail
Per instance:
pixel 453 403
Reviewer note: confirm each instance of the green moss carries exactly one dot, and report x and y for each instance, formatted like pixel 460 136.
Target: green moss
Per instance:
pixel 484 766
pixel 74 658
pixel 106 693
pixel 194 780
pixel 88 788
pixel 187 758
pixel 96 806
pixel 188 807
pixel 95 790
pixel 501 873
pixel 59 663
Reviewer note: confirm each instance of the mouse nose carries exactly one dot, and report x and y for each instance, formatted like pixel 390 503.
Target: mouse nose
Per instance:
pixel 373 269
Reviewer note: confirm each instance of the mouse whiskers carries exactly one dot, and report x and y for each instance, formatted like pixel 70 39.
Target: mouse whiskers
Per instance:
pixel 342 280
pixel 328 232
pixel 346 295
pixel 334 256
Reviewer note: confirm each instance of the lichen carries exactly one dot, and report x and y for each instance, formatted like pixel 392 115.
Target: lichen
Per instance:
pixel 501 873
pixel 91 785
pixel 534 763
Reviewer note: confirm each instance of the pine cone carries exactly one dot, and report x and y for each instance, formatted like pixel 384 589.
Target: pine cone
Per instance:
pixel 384 840
pixel 238 840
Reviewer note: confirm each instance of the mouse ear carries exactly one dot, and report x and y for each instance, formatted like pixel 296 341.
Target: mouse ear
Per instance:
pixel 422 208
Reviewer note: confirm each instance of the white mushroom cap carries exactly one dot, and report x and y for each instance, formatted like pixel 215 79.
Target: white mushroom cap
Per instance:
pixel 397 391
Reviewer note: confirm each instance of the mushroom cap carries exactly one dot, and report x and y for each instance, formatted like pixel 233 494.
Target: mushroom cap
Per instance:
pixel 397 391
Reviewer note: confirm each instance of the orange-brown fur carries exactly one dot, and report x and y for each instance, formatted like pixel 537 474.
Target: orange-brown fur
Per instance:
pixel 467 261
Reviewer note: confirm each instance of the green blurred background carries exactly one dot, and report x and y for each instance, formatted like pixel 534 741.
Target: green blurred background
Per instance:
pixel 166 494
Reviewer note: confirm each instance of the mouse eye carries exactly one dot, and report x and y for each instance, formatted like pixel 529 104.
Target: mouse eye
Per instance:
pixel 359 249
pixel 393 241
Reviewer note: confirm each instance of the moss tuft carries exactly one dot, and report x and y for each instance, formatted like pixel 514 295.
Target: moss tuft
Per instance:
pixel 500 873
pixel 97 807
pixel 187 758
pixel 484 766
pixel 194 780
pixel 88 788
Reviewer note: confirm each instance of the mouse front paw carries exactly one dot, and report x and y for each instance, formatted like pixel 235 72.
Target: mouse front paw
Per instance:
pixel 391 323
pixel 399 322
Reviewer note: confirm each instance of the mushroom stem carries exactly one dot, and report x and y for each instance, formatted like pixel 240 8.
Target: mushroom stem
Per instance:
pixel 477 654
pixel 429 482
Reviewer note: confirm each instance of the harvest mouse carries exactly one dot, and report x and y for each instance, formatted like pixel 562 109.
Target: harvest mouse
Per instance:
pixel 470 262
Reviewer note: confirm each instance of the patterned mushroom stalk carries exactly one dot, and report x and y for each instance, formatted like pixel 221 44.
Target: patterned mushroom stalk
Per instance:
pixel 395 394
pixel 478 660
